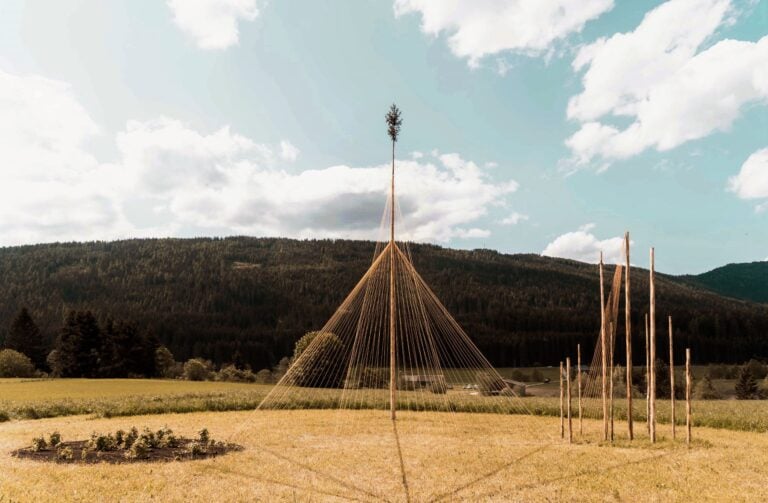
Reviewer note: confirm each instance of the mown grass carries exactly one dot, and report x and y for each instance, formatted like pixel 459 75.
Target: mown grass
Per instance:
pixel 36 399
pixel 316 455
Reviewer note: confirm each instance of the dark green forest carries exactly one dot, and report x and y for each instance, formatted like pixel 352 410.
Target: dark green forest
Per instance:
pixel 741 281
pixel 250 299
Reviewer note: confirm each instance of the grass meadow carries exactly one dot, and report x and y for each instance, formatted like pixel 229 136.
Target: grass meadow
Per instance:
pixel 324 455
pixel 36 399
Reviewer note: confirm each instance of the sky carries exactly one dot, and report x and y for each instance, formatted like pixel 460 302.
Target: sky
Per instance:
pixel 530 126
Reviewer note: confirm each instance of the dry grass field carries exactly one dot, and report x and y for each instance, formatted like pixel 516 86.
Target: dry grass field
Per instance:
pixel 328 455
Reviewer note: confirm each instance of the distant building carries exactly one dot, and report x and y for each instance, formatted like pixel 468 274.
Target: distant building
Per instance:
pixel 432 382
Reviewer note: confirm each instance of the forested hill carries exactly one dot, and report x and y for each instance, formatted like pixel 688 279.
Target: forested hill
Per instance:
pixel 742 281
pixel 212 297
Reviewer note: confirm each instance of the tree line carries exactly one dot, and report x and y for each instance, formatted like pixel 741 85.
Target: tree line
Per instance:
pixel 250 299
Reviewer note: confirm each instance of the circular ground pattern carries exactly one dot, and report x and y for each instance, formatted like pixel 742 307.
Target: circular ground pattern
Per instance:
pixel 81 454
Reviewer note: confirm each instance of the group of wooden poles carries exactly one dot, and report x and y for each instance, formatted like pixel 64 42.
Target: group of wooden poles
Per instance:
pixel 650 369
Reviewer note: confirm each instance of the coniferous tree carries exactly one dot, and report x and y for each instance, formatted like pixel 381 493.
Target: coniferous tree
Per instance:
pixel 89 350
pixel 705 390
pixel 79 345
pixel 746 385
pixel 24 337
pixel 125 351
pixel 67 344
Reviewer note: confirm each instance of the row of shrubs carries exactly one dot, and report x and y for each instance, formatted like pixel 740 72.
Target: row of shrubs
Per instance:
pixel 134 444
pixel 197 369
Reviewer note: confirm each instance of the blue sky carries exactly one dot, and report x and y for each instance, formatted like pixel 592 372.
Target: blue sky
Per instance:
pixel 545 126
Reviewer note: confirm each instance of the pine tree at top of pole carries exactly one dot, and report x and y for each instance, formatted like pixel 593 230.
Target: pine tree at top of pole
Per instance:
pixel 394 121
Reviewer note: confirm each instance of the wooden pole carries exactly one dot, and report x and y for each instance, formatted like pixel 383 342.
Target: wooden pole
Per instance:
pixel 612 331
pixel 652 355
pixel 647 380
pixel 562 399
pixel 568 397
pixel 671 380
pixel 628 328
pixel 604 355
pixel 578 372
pixel 688 396
pixel 392 324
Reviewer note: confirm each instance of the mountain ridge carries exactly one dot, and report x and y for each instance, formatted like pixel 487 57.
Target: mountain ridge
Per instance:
pixel 253 297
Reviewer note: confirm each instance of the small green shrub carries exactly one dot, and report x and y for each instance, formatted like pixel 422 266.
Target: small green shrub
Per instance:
pixel 130 438
pixel 39 444
pixel 54 439
pixel 231 373
pixel 139 449
pixel 197 369
pixel 149 438
pixel 102 443
pixel 704 390
pixel 65 453
pixel 196 449
pixel 204 436
pixel 15 364
pixel 264 376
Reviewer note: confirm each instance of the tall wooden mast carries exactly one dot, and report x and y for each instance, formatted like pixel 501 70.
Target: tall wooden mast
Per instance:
pixel 628 328
pixel 652 351
pixel 603 349
pixel 394 121
pixel 392 324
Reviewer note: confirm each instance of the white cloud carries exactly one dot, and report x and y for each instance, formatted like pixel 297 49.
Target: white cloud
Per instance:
pixel 514 219
pixel 752 180
pixel 288 152
pixel 51 187
pixel 225 183
pixel 582 245
pixel 169 178
pixel 659 77
pixel 483 27
pixel 474 232
pixel 213 24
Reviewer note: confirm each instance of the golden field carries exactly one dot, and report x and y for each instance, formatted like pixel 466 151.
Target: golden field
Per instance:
pixel 324 455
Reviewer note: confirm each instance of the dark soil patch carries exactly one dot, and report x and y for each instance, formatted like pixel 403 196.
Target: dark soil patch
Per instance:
pixel 117 456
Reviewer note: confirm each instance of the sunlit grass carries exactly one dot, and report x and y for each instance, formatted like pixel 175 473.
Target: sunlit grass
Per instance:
pixel 322 455
pixel 33 399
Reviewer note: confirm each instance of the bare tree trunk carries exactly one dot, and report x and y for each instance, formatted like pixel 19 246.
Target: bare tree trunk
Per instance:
pixel 392 324
pixel 562 399
pixel 578 372
pixel 688 421
pixel 672 379
pixel 610 373
pixel 568 397
pixel 653 351
pixel 628 328
pixel 604 355
pixel 647 379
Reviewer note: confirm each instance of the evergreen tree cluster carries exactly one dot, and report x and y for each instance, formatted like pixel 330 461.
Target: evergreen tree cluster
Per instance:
pixel 85 348
pixel 24 336
pixel 248 300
